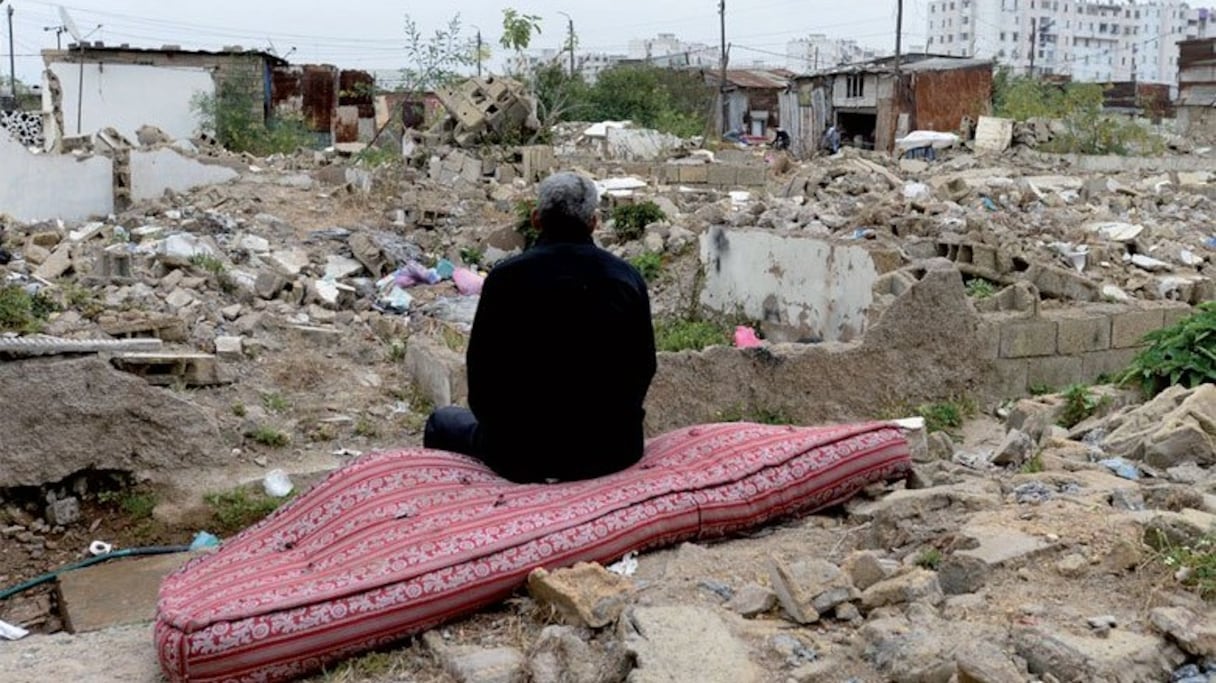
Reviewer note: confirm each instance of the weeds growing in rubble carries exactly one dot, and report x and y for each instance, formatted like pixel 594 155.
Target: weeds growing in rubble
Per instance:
pixel 630 220
pixel 366 428
pixel 275 402
pixel 232 511
pixel 472 256
pixel 23 312
pixel 396 351
pixel 649 265
pixel 946 416
pixel 1080 403
pixel 1194 565
pixel 208 263
pixel 523 221
pixel 269 436
pixel 1182 354
pixel 136 504
pixel 980 289
pixel 929 558
pixel 684 335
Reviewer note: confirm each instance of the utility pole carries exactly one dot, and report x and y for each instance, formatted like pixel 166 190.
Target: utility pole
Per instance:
pixel 722 83
pixel 12 60
pixel 570 24
pixel 59 31
pixel 899 35
pixel 1034 44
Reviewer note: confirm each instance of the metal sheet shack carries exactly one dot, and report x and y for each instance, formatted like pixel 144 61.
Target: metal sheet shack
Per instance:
pixel 873 107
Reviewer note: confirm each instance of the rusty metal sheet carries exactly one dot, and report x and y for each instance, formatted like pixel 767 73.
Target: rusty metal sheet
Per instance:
pixel 346 125
pixel 942 99
pixel 319 86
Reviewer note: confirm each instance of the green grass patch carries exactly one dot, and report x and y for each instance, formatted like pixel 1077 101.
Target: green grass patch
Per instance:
pixel 682 335
pixel 979 288
pixel 630 220
pixel 1033 466
pixel 275 402
pixel 135 503
pixel 472 256
pixel 946 416
pixel 929 558
pixel 1196 564
pixel 269 436
pixel 208 263
pixel 650 265
pixel 1080 403
pixel 232 511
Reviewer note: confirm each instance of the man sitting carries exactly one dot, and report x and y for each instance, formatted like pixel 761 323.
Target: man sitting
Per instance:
pixel 561 354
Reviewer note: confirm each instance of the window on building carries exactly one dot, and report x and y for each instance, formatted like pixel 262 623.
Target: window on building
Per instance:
pixel 855 86
pixel 952 7
pixel 966 20
pixel 1002 36
pixel 1015 36
pixel 963 36
pixel 1031 4
pixel 1001 54
pixel 930 41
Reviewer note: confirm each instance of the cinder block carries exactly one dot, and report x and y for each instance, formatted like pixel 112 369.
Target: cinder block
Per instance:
pixel 752 176
pixel 1055 371
pixel 1028 339
pixel 722 175
pixel 1128 329
pixel 1173 315
pixel 1083 334
pixel 1009 378
pixel 669 174
pixel 983 257
pixel 697 174
pixel 990 334
pixel 1110 362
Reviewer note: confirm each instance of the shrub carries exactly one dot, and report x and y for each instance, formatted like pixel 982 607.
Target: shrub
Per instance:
pixel 947 416
pixel 23 312
pixel 980 289
pixel 1183 354
pixel 681 335
pixel 523 221
pixel 630 220
pixel 232 511
pixel 1079 404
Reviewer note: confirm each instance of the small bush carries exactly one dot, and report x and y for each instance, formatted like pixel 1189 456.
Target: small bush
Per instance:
pixel 472 256
pixel 1079 405
pixel 275 402
pixel 23 312
pixel 208 263
pixel 1034 465
pixel 980 289
pixel 232 511
pixel 366 428
pixel 239 409
pixel 681 335
pixel 523 221
pixel 269 436
pixel 1183 354
pixel 929 558
pixel 649 265
pixel 947 416
pixel 630 220
pixel 234 116
pixel 1196 564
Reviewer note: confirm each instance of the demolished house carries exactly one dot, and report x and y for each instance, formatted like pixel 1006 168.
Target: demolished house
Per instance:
pixel 873 105
pixel 752 98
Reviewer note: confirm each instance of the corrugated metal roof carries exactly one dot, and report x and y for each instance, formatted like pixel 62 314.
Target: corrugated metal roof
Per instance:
pixel 946 64
pixel 758 78
pixel 74 50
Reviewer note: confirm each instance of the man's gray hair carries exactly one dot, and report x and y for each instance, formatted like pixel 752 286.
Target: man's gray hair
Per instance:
pixel 566 198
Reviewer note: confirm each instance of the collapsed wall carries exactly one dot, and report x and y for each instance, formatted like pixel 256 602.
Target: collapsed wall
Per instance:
pixel 40 187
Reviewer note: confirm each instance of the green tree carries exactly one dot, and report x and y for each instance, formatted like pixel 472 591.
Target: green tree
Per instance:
pixel 438 59
pixel 670 100
pixel 518 29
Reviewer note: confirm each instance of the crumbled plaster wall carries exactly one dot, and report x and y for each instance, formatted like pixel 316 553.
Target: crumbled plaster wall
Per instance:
pixel 47 186
pixel 156 170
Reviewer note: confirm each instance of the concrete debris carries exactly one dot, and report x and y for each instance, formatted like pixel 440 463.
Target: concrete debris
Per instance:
pixel 585 595
pixel 684 644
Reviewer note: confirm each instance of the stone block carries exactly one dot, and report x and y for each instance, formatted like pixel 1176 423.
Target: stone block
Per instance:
pixel 694 174
pixel 117 593
pixel 1099 363
pixel 722 175
pixel 1175 314
pixel 684 644
pixel 983 257
pixel 990 334
pixel 751 176
pixel 1055 371
pixel 1129 328
pixel 585 595
pixel 1028 339
pixel 438 372
pixel 229 348
pixel 1083 334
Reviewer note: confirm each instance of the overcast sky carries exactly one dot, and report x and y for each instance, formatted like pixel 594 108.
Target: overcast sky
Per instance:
pixel 367 34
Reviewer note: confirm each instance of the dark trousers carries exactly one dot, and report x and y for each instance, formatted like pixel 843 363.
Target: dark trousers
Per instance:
pixel 452 429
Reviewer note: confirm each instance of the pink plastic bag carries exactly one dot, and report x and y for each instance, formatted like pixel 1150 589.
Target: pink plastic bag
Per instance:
pixel 467 282
pixel 745 338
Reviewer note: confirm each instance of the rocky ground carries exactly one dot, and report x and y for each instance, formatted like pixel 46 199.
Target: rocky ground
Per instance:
pixel 1020 551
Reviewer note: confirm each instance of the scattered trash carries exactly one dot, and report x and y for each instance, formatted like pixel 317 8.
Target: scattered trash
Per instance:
pixel 745 338
pixel 628 565
pixel 717 588
pixel 917 192
pixel 1210 242
pixel 467 282
pixel 277 484
pixel 99 548
pixel 988 203
pixel 863 234
pixel 203 540
pixel 927 138
pixel 1121 468
pixel 1033 493
pixel 347 453
pixel 10 632
pixel 1117 232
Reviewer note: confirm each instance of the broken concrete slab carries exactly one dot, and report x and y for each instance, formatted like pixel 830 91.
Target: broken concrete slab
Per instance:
pixel 65 657
pixel 809 588
pixel 155 171
pixel 584 595
pixel 1195 633
pixel 966 571
pixel 684 644
pixel 67 416
pixel 39 345
pixel 1121 657
pixel 117 593
pixel 439 373
pixel 993 135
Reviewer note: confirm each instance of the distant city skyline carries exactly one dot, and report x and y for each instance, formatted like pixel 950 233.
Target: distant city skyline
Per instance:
pixel 369 35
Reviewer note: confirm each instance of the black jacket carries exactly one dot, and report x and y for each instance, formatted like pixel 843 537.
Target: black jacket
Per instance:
pixel 559 362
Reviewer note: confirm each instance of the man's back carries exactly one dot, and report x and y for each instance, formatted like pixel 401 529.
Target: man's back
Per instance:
pixel 560 359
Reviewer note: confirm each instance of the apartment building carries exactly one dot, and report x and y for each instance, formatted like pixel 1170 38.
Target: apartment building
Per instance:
pixel 1088 41
pixel 817 51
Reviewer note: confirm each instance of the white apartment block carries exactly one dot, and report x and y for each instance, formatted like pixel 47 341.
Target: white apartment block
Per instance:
pixel 1089 41
pixel 589 64
pixel 817 51
pixel 667 50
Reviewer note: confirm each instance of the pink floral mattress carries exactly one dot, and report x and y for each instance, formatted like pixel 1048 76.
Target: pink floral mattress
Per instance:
pixel 398 543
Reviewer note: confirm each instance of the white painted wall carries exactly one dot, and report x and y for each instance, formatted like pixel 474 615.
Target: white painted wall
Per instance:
pixel 128 96
pixel 820 289
pixel 157 170
pixel 38 187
